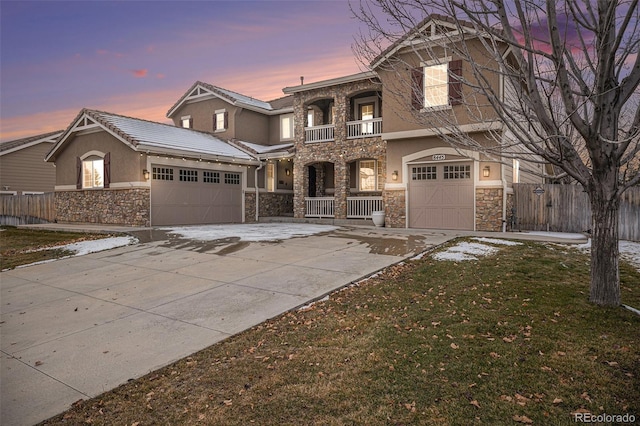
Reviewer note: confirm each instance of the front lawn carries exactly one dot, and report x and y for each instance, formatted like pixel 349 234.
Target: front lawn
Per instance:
pixel 507 339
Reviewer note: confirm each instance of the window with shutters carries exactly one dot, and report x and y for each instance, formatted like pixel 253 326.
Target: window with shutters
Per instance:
pixel 437 85
pixel 186 122
pixel 220 120
pixel 93 172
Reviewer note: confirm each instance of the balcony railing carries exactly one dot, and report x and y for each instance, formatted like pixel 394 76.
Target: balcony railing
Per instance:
pixel 361 207
pixel 357 207
pixel 364 128
pixel 319 207
pixel 322 133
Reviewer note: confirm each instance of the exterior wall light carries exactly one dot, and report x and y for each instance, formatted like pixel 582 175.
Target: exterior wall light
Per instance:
pixel 287 172
pixel 145 173
pixel 486 171
pixel 394 175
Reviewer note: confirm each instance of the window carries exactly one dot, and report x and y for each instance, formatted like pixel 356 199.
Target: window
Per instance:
pixel 366 113
pixel 210 177
pixel 310 118
pixel 457 172
pixel 437 85
pixel 188 175
pixel 423 173
pixel 162 173
pixel 232 178
pixel 271 177
pixel 516 171
pixel 367 172
pixel 186 122
pixel 93 172
pixel 220 120
pixel 286 127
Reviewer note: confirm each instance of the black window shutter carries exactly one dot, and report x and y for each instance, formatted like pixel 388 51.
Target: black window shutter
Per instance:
pixel 191 123
pixel 215 122
pixel 226 119
pixel 78 173
pixel 107 169
pixel 455 82
pixel 417 88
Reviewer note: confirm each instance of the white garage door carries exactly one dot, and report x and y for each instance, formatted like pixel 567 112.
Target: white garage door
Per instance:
pixel 441 196
pixel 183 196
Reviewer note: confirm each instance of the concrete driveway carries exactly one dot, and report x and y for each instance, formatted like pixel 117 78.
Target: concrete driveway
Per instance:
pixel 78 327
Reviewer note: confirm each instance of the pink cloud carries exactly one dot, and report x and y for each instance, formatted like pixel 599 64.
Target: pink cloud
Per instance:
pixel 160 76
pixel 140 73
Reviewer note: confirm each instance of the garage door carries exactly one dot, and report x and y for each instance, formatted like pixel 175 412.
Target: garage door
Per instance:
pixel 182 196
pixel 441 196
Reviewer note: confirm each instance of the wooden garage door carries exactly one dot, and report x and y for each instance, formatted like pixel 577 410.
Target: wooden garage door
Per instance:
pixel 441 196
pixel 182 196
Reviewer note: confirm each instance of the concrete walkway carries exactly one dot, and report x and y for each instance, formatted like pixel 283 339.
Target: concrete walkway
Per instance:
pixel 75 328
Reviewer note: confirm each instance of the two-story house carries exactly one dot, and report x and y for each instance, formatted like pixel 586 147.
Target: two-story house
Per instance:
pixel 339 148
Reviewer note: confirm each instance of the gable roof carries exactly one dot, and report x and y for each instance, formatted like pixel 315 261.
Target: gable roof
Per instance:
pixel 152 138
pixel 417 32
pixel 200 90
pixel 265 152
pixel 18 144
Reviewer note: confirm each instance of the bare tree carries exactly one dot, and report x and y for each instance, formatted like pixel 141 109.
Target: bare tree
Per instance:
pixel 569 97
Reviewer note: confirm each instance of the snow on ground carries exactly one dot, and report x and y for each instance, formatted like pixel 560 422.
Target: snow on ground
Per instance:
pixel 497 241
pixel 629 250
pixel 250 232
pixel 92 246
pixel 465 251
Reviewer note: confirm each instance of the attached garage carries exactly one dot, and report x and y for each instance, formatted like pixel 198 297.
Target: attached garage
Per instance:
pixel 188 196
pixel 441 196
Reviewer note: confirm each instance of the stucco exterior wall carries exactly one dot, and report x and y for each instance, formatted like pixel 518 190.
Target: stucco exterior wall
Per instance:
pixel 126 164
pixel 202 113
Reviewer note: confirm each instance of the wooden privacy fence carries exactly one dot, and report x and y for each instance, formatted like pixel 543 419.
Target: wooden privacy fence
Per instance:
pixel 25 209
pixel 566 208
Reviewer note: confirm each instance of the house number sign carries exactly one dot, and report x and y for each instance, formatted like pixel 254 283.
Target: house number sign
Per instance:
pixel 439 157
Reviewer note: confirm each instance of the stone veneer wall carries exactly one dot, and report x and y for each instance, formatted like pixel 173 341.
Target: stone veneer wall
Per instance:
pixel 489 209
pixel 340 152
pixel 394 208
pixel 109 206
pixel 271 204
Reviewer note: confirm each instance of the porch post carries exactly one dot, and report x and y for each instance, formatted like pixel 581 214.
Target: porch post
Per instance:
pixel 300 183
pixel 341 170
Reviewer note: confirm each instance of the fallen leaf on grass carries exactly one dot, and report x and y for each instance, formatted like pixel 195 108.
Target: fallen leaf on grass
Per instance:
pixel 454 346
pixel 522 419
pixel 475 403
pixel 411 407
pixel 506 398
pixel 494 355
pixel 557 400
pixel 545 368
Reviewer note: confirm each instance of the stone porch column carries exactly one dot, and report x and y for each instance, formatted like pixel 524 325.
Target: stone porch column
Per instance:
pixel 300 182
pixel 341 170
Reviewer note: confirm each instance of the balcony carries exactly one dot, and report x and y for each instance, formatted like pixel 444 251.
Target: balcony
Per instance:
pixel 355 130
pixel 364 128
pixel 322 133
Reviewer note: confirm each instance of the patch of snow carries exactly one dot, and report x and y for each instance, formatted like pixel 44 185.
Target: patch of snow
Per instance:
pixel 465 251
pixel 497 241
pixel 92 246
pixel 250 232
pixel 629 251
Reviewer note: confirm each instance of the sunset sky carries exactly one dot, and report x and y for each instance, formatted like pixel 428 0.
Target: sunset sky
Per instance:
pixel 137 58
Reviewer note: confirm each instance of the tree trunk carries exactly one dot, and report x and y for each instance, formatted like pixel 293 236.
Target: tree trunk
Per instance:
pixel 605 275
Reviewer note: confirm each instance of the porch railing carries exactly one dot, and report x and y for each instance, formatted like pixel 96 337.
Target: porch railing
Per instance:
pixel 319 207
pixel 357 207
pixel 364 128
pixel 324 133
pixel 361 207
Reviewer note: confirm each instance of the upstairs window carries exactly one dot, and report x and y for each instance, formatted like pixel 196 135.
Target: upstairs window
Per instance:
pixel 93 172
pixel 186 122
pixel 286 127
pixel 437 85
pixel 220 120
